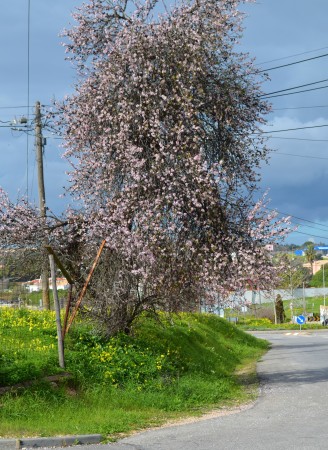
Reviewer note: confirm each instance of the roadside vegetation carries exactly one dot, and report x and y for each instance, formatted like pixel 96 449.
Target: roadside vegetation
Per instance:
pixel 181 365
pixel 262 316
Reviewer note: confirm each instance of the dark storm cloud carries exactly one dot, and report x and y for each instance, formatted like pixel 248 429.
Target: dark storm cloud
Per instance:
pixel 296 177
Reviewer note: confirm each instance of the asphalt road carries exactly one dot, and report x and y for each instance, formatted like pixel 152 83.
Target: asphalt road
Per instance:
pixel 290 413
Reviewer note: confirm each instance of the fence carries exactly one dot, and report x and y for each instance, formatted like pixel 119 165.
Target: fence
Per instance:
pixel 259 297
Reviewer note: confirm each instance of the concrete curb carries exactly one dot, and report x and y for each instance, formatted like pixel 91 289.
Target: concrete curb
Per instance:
pixel 60 441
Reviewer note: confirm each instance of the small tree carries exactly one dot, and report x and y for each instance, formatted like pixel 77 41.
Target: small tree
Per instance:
pixel 279 310
pixel 292 272
pixel 310 255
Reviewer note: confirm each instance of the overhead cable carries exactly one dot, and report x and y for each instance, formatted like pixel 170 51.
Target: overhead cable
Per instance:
pixel 296 217
pixel 292 56
pixel 300 156
pixel 300 107
pixel 295 87
pixel 298 139
pixel 292 93
pixel 293 129
pixel 310 234
pixel 303 225
pixel 293 63
pixel 15 107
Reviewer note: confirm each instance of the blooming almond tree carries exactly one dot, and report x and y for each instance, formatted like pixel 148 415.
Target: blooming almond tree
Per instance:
pixel 163 134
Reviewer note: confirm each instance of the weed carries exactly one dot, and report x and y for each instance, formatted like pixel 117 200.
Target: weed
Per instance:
pixel 181 366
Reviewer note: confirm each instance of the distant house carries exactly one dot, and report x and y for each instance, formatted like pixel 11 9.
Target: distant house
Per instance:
pixel 36 285
pixel 33 285
pixel 61 283
pixel 316 266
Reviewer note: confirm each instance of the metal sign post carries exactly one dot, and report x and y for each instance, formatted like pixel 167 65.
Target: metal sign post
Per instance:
pixel 301 321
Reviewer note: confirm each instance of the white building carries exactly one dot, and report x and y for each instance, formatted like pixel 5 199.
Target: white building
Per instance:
pixel 36 285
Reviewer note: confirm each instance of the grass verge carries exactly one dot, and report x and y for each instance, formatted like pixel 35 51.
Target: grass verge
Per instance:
pixel 181 366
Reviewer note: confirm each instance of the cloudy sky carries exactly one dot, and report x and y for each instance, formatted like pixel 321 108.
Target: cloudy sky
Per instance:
pixel 277 32
pixel 282 32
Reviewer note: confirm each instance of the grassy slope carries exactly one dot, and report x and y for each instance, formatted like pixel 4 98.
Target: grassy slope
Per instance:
pixel 180 366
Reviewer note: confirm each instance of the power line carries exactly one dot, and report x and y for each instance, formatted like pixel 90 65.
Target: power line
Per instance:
pixel 310 234
pixel 298 139
pixel 28 90
pixel 303 225
pixel 309 226
pixel 293 129
pixel 292 93
pixel 291 56
pixel 18 125
pixel 301 107
pixel 295 87
pixel 262 132
pixel 15 107
pixel 300 156
pixel 296 217
pixel 293 63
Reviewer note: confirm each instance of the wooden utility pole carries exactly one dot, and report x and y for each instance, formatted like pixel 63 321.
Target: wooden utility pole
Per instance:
pixel 70 281
pixel 57 309
pixel 42 201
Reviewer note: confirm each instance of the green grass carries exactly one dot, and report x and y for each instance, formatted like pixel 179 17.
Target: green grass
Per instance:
pixel 312 305
pixel 182 365
pixel 258 325
pixel 45 410
pixel 255 318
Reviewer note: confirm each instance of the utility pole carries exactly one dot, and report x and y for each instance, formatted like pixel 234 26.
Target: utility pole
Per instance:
pixel 57 309
pixel 42 202
pixel 324 284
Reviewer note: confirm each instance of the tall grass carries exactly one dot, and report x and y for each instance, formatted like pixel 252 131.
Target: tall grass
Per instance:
pixel 178 365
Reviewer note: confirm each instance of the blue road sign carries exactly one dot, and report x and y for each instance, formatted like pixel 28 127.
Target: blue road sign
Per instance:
pixel 300 320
